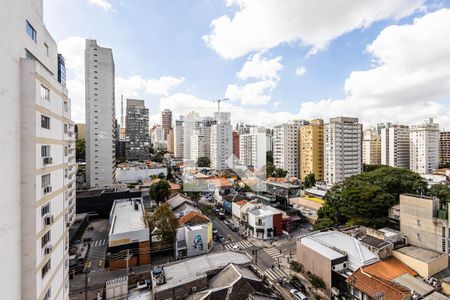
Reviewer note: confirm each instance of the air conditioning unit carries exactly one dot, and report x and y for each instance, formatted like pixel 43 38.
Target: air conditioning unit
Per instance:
pixel 48 160
pixel 47 189
pixel 48 249
pixel 48 219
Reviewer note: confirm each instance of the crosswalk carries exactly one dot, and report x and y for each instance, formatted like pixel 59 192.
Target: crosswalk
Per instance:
pixel 98 243
pixel 272 274
pixel 273 252
pixel 242 245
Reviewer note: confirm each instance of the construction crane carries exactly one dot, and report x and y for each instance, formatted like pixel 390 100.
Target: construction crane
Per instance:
pixel 218 104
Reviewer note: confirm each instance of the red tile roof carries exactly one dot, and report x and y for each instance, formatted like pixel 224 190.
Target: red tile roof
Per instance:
pixel 241 203
pixel 389 269
pixel 191 215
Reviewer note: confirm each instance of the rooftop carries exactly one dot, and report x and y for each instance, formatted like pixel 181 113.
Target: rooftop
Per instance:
pixel 284 185
pixel 191 215
pixel 335 244
pixel 264 210
pixel 414 284
pixel 126 216
pixel 374 242
pixel 436 296
pixel 188 270
pixel 389 269
pixel 177 201
pixel 422 254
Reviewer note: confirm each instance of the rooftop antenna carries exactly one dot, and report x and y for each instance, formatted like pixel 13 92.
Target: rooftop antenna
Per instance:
pixel 218 107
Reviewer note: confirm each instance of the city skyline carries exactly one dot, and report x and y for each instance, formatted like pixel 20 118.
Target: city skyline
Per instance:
pixel 346 70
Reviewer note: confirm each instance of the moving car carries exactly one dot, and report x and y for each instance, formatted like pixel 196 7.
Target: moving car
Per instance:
pixel 233 227
pixel 227 222
pixel 298 295
pixel 236 247
pixel 215 231
pixel 222 216
pixel 295 282
pixel 220 238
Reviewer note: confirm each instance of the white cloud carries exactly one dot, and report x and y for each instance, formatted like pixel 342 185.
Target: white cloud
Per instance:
pixel 276 104
pixel 255 93
pixel 103 4
pixel 300 71
pixel 410 77
pixel 137 85
pixel 258 25
pixel 260 68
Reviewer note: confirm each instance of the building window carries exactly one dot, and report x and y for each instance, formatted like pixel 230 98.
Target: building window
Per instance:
pixel 45 209
pixel 46 49
pixel 45 180
pixel 45 150
pixel 66 106
pixel 48 295
pixel 65 151
pixel 46 268
pixel 45 239
pixel 45 93
pixel 31 31
pixel 45 122
pixel 65 128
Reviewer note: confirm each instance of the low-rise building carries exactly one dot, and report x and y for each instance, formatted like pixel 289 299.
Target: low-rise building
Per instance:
pixel 425 262
pixel 194 235
pixel 129 236
pixel 265 222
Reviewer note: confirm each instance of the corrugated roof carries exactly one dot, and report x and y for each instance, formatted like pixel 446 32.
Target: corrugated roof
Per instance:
pixel 190 215
pixel 414 284
pixel 389 269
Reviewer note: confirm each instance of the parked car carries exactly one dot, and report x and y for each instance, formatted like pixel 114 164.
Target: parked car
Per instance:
pixel 222 216
pixel 215 231
pixel 295 282
pixel 220 238
pixel 298 295
pixel 227 222
pixel 233 227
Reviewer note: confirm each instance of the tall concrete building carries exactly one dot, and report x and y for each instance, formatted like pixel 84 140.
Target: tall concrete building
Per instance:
pixel 311 149
pixel 236 150
pixel 444 147
pixel 371 147
pixel 178 138
pixel 136 130
pixel 100 115
pixel 395 145
pixel 200 140
pixel 80 131
pixel 424 147
pixel 166 122
pixel 424 222
pixel 190 122
pixel 38 157
pixel 221 142
pixel 342 149
pixel 286 146
pixel 253 148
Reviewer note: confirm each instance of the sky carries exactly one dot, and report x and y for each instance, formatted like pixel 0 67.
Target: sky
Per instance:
pixel 378 60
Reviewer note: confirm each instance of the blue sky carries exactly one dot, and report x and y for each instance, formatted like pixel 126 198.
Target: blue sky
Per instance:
pixel 156 39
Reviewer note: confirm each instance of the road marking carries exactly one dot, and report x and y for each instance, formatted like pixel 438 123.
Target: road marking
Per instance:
pixel 98 243
pixel 273 252
pixel 242 244
pixel 274 274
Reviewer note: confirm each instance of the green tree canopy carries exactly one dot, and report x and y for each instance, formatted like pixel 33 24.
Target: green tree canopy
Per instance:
pixel 365 198
pixel 160 191
pixel 272 171
pixel 203 162
pixel 310 180
pixel 80 149
pixel 269 156
pixel 442 192
pixel 164 223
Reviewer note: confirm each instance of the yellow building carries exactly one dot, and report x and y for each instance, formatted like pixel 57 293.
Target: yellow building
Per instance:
pixel 311 149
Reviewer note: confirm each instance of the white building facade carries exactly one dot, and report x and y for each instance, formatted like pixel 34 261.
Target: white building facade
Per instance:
pixel 395 146
pixel 371 147
pixel 342 149
pixel 424 147
pixel 38 154
pixel 221 142
pixel 286 146
pixel 253 148
pixel 100 115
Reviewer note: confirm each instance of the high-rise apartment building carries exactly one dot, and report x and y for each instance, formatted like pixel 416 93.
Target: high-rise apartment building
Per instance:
pixel 311 149
pixel 190 122
pixel 221 142
pixel 252 147
pixel 236 149
pixel 424 147
pixel 200 139
pixel 157 138
pixel 170 141
pixel 395 145
pixel 286 146
pixel 136 130
pixel 371 147
pixel 166 122
pixel 38 157
pixel 444 148
pixel 178 138
pixel 342 149
pixel 100 115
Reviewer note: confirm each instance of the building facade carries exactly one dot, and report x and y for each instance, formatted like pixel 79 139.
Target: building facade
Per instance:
pixel 178 139
pixel 286 146
pixel 236 150
pixel 424 147
pixel 200 141
pixel 342 149
pixel 221 142
pixel 371 147
pixel 252 148
pixel 166 122
pixel 39 156
pixel 444 147
pixel 311 149
pixel 395 145
pixel 100 115
pixel 136 130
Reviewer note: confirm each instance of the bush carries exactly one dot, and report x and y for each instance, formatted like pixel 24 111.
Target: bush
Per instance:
pixel 316 281
pixel 296 266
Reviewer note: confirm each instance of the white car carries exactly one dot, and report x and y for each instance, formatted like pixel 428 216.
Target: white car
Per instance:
pixel 298 295
pixel 236 247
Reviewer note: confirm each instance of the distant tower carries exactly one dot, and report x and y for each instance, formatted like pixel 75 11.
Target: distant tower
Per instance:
pixel 121 111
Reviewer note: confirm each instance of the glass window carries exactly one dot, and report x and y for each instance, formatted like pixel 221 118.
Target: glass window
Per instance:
pixel 45 93
pixel 45 150
pixel 45 122
pixel 45 239
pixel 46 49
pixel 45 180
pixel 48 295
pixel 46 268
pixel 45 209
pixel 31 31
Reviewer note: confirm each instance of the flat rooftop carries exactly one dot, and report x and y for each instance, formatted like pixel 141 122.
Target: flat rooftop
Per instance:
pixel 422 254
pixel 125 217
pixel 284 185
pixel 188 270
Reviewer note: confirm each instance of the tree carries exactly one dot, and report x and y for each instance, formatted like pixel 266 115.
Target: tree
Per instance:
pixel 364 199
pixel 203 162
pixel 194 196
pixel 442 192
pixel 160 191
pixel 310 180
pixel 164 224
pixel 80 149
pixel 316 281
pixel 269 156
pixel 272 171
